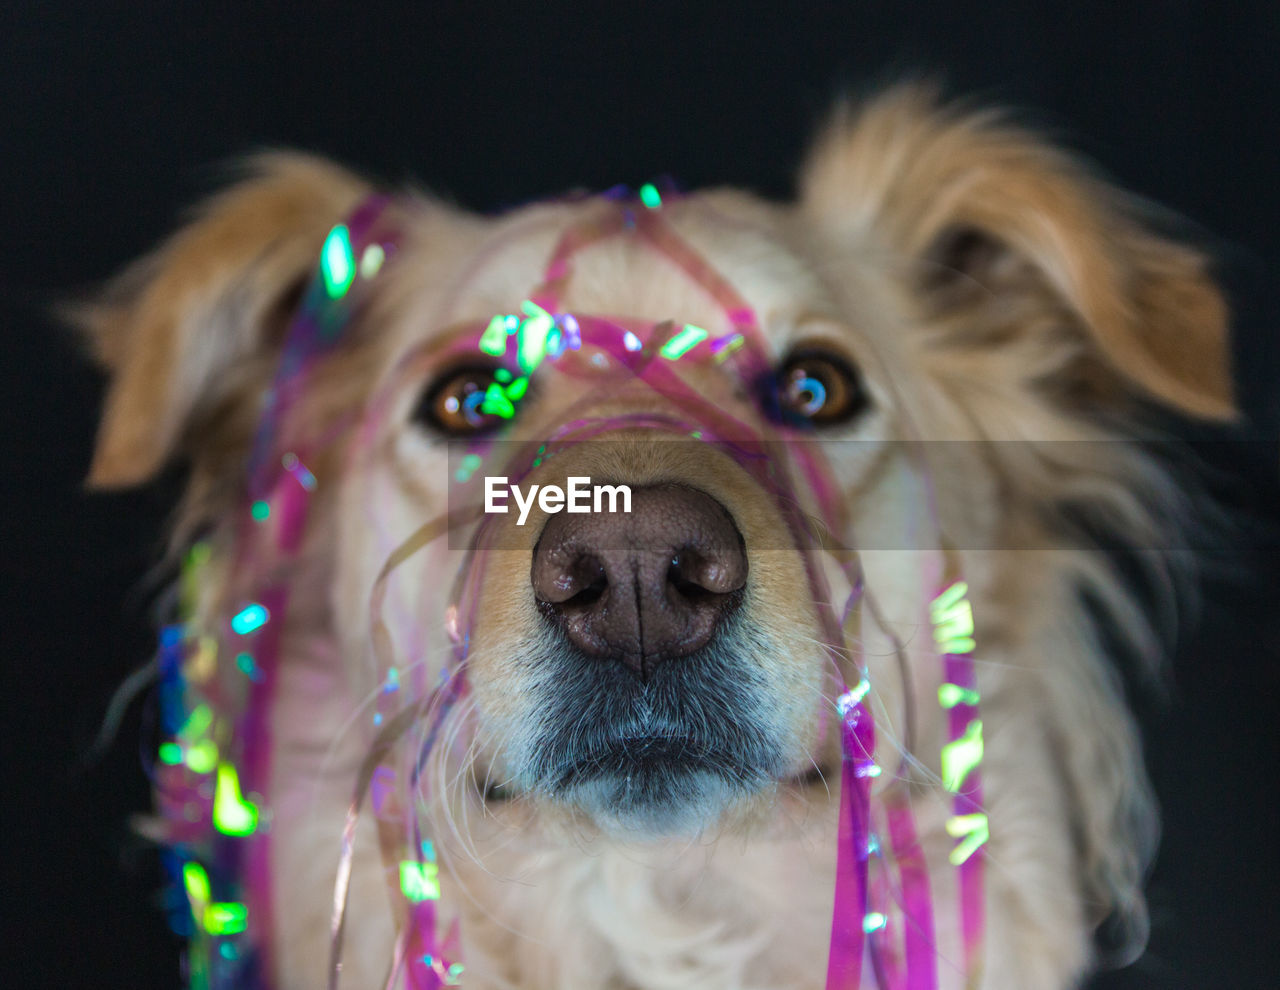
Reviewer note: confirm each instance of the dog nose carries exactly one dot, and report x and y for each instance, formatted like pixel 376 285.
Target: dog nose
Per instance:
pixel 642 587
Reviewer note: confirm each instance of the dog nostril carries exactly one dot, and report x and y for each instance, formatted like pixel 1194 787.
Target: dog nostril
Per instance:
pixel 694 575
pixel 676 577
pixel 590 594
pixel 580 580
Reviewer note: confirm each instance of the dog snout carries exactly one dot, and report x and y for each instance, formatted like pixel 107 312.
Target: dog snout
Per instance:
pixel 642 587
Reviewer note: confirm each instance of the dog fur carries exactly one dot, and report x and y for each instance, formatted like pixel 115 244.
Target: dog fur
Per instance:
pixel 993 293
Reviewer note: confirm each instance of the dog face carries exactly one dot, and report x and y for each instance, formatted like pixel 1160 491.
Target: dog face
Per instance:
pixel 667 671
pixel 644 672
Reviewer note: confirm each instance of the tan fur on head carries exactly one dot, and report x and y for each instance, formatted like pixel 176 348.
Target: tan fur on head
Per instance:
pixel 178 321
pixel 910 176
pixel 987 287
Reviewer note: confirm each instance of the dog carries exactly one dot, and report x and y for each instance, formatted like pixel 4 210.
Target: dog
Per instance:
pixel 639 785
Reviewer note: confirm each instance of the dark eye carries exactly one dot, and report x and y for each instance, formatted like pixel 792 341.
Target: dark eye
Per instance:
pixel 818 387
pixel 471 400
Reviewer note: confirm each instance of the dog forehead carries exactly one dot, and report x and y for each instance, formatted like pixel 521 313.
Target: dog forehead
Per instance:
pixel 491 266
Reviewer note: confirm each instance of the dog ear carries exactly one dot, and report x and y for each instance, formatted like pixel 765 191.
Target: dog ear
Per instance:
pixel 1007 235
pixel 219 292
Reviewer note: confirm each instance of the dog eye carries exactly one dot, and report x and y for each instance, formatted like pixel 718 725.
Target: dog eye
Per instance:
pixel 471 400
pixel 818 387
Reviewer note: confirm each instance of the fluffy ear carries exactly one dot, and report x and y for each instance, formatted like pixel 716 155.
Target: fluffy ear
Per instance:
pixel 1005 232
pixel 217 293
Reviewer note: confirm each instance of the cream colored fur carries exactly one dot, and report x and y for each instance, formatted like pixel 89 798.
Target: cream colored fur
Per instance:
pixel 1041 331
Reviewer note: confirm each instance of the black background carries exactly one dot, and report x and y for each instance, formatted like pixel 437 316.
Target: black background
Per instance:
pixel 113 114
